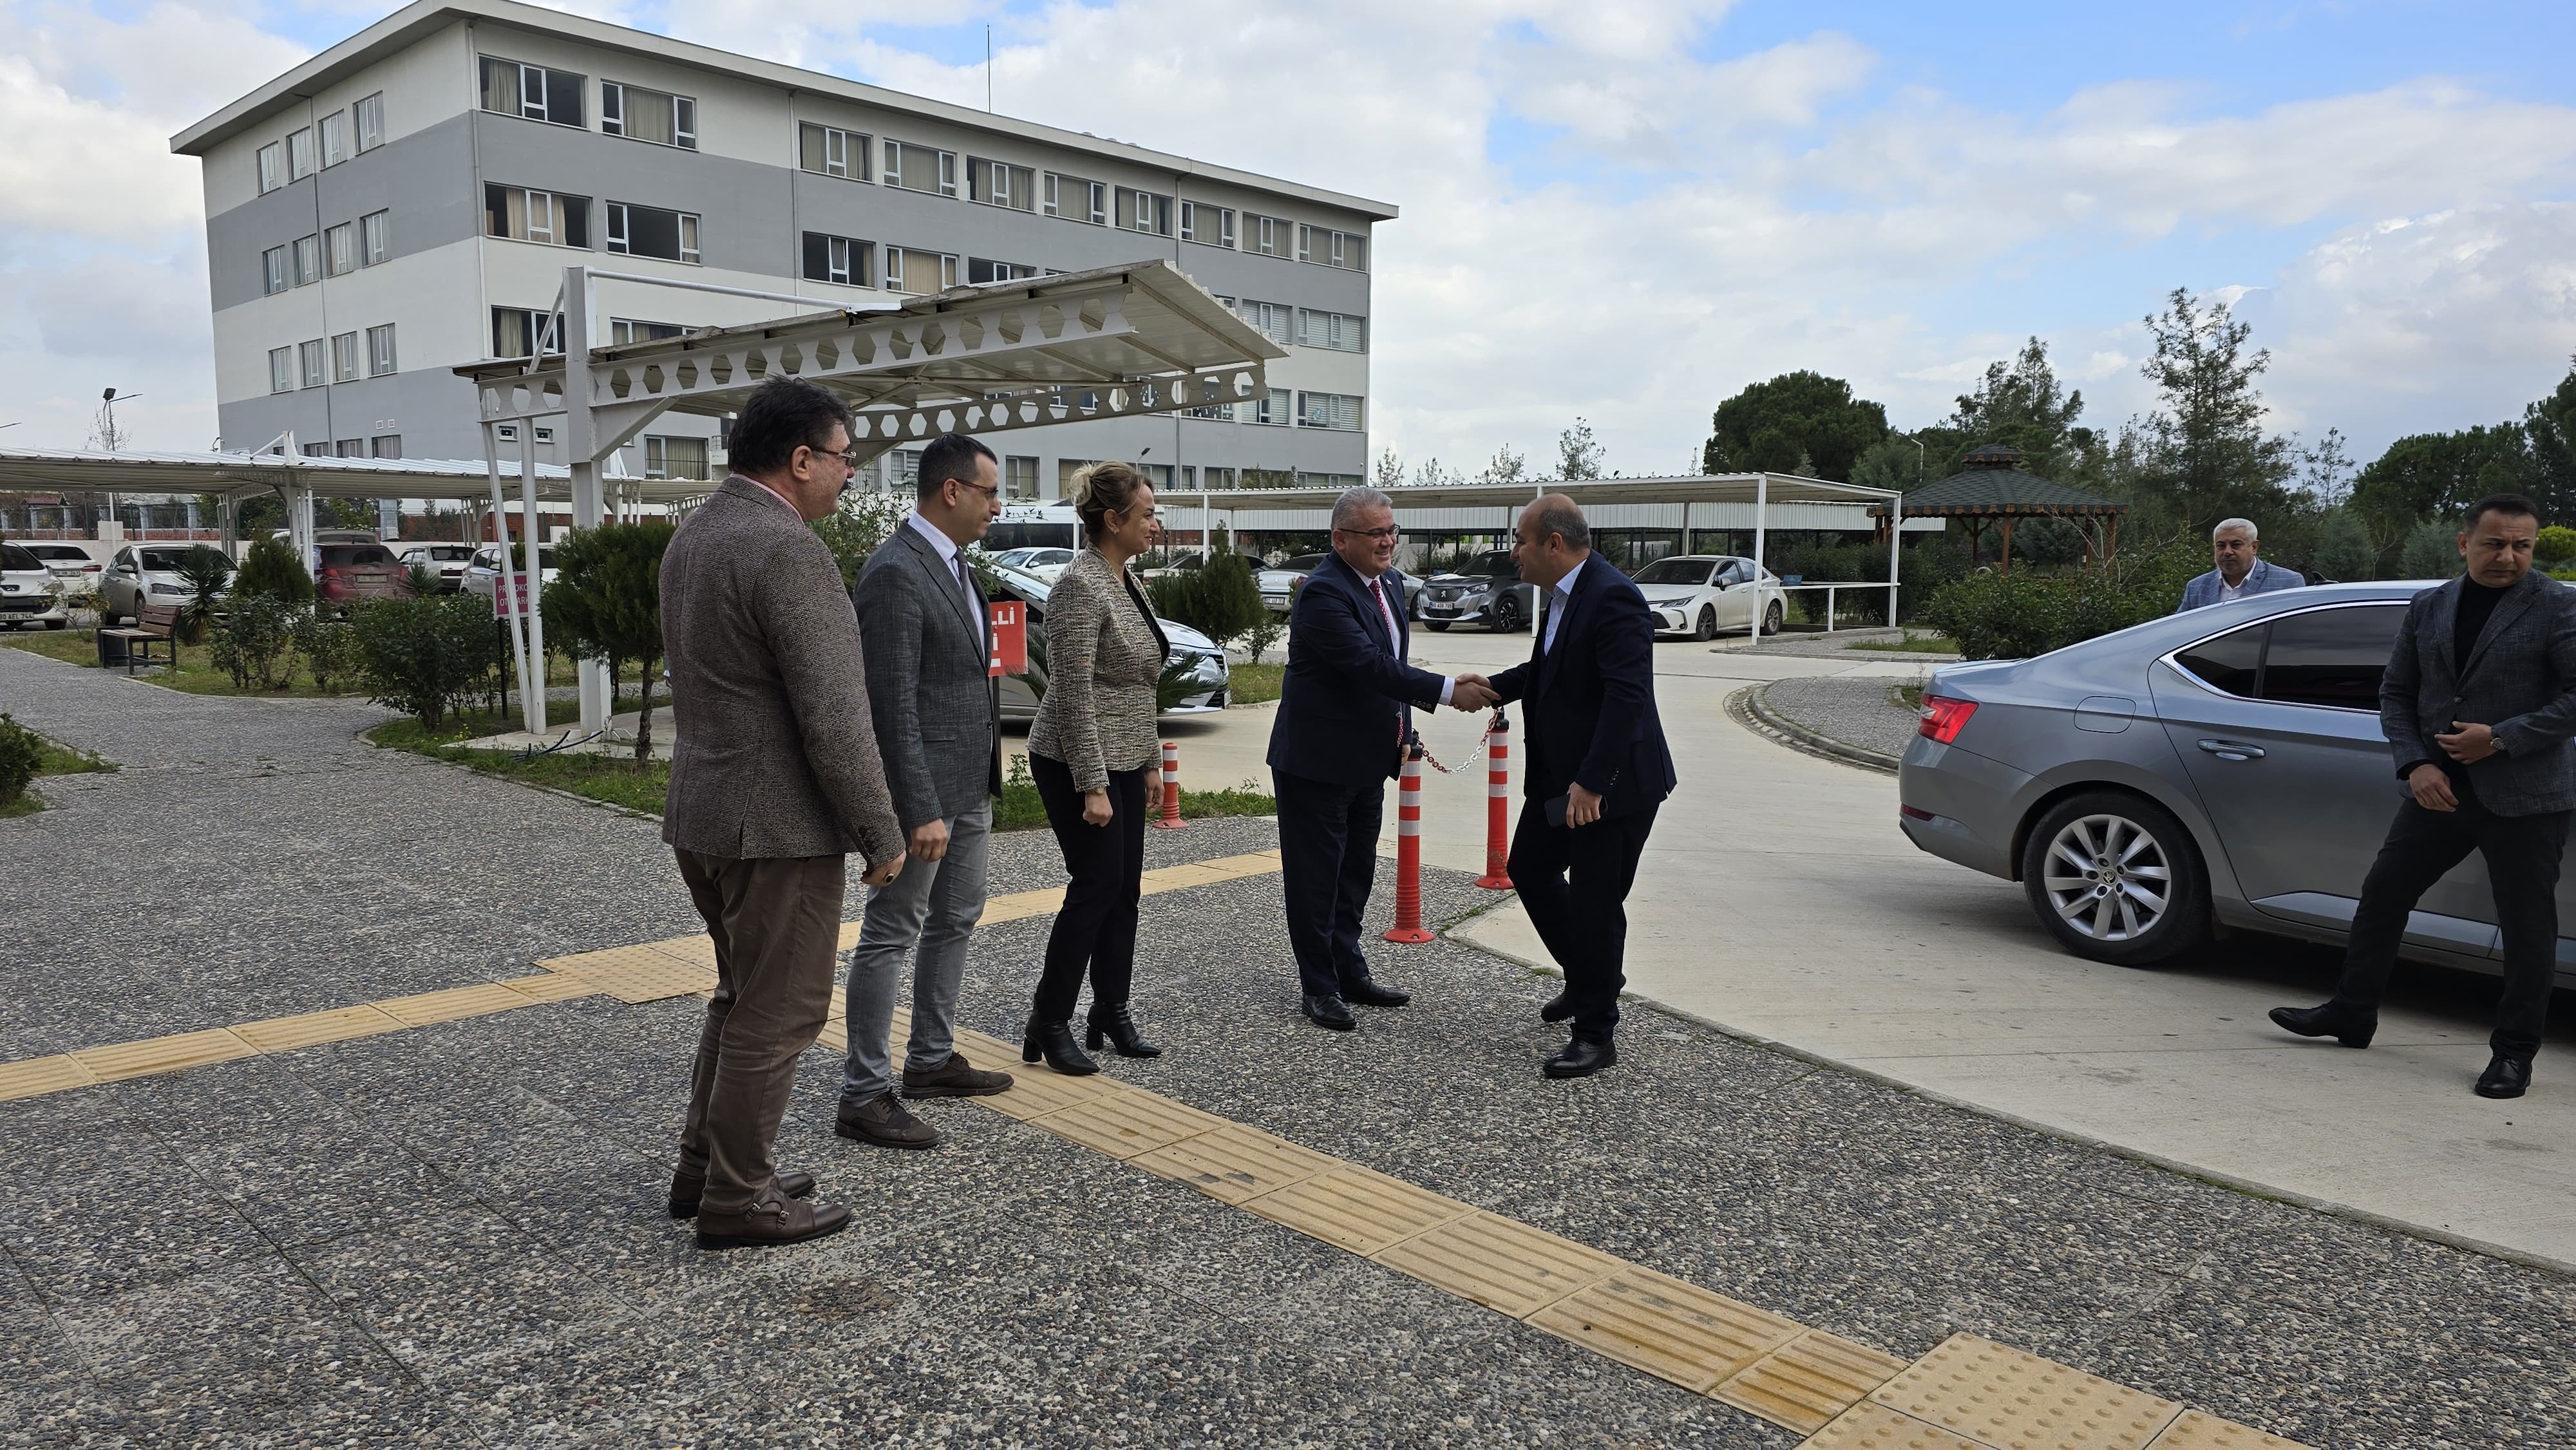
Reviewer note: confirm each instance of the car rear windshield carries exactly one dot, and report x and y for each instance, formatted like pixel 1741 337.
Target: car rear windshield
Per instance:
pixel 13 557
pixel 355 554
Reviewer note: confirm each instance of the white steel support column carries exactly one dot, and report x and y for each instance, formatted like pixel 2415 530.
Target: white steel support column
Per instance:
pixel 1895 554
pixel 530 564
pixel 1761 516
pixel 581 449
pixel 504 591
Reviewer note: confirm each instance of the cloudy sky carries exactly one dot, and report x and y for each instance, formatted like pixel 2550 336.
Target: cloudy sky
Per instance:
pixel 1624 209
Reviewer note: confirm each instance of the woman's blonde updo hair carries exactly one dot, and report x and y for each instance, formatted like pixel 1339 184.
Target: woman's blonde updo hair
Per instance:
pixel 1101 489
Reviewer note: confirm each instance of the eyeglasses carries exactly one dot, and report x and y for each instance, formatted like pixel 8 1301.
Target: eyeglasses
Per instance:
pixel 1381 535
pixel 988 490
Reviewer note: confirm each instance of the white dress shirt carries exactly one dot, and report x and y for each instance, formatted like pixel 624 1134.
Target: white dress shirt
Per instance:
pixel 953 557
pixel 1556 607
pixel 1385 611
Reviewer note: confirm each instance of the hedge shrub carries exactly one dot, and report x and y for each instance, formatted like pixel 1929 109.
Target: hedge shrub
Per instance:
pixel 425 656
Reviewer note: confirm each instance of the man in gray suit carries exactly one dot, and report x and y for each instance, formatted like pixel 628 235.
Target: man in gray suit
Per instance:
pixel 2239 574
pixel 774 780
pixel 938 717
pixel 2479 707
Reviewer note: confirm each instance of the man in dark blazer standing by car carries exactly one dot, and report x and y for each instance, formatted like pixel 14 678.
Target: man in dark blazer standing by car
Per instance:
pixel 937 712
pixel 1598 769
pixel 1345 721
pixel 2479 707
pixel 775 778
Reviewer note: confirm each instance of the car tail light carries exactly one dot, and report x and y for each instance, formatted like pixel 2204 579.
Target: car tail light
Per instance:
pixel 1942 717
pixel 1912 813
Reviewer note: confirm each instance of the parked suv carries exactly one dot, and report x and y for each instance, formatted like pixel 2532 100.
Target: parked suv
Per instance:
pixel 29 593
pixel 358 571
pixel 1485 590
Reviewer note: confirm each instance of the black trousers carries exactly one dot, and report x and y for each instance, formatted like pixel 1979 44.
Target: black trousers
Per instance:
pixel 1573 882
pixel 2522 865
pixel 1327 863
pixel 1096 926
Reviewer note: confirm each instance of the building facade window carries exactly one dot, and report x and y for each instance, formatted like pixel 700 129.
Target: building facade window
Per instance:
pixel 516 332
pixel 983 269
pixel 1209 226
pixel 652 231
pixel 642 115
pixel 352 448
pixel 370 114
pixel 675 457
pixel 308 260
pixel 1267 235
pixel 312 361
pixel 281 370
pixel 1273 408
pixel 998 183
pixel 375 243
pixel 1075 199
pixel 1336 330
pixel 911 270
pixel 272 271
pixel 1019 477
pixel 1273 320
pixel 1347 250
pixel 386 445
pixel 831 151
pixel 272 167
pixel 335 138
pixel 837 259
pixel 1217 412
pixel 1337 411
pixel 623 330
pixel 340 249
pixel 1144 211
pixel 524 215
pixel 380 350
pixel 344 357
pixel 299 154
pixel 532 91
pixel 920 168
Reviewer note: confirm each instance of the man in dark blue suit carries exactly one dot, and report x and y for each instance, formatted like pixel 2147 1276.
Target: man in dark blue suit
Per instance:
pixel 1345 720
pixel 1598 769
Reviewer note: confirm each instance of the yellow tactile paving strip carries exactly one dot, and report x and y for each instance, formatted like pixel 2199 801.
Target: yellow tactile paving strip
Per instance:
pixel 1968 1394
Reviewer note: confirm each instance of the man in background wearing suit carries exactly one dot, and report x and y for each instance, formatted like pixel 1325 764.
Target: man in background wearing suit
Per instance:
pixel 1345 721
pixel 1598 769
pixel 937 713
pixel 774 780
pixel 2479 706
pixel 2239 574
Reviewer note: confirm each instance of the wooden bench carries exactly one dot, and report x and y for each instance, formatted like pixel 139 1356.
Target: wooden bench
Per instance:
pixel 154 622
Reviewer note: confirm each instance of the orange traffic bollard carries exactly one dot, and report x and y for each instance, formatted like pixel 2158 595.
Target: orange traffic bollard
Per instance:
pixel 1171 820
pixel 1408 852
pixel 1498 805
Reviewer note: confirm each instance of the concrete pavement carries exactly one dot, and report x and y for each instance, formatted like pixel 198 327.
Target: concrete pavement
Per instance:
pixel 1778 899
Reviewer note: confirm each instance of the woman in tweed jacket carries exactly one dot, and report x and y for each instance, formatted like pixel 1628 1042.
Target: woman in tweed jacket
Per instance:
pixel 1091 750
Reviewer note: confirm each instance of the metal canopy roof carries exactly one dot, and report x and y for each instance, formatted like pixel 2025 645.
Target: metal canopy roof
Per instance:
pixel 1711 488
pixel 1111 341
pixel 243 475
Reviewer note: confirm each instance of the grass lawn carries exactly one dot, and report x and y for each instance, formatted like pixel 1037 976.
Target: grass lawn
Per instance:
pixel 53 760
pixel 196 673
pixel 643 785
pixel 1253 684
pixel 1912 644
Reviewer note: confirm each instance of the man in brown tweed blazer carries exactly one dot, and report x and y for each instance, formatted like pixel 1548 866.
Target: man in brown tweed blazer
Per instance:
pixel 774 780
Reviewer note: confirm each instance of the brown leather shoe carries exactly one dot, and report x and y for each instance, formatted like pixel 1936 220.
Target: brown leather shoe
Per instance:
pixel 883 1121
pixel 772 1220
pixel 686 1191
pixel 955 1078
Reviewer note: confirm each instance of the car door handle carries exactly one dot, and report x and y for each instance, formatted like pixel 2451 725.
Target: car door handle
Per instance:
pixel 2232 750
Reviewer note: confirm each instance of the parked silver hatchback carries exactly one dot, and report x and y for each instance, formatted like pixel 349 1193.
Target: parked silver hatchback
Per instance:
pixel 2222 766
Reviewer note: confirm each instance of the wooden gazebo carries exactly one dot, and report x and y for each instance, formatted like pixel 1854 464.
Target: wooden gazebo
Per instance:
pixel 1991 488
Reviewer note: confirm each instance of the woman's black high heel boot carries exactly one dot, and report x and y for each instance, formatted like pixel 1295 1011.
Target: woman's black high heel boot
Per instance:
pixel 1110 1020
pixel 1054 1042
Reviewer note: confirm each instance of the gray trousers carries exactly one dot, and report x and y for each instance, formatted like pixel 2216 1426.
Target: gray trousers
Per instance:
pixel 934 904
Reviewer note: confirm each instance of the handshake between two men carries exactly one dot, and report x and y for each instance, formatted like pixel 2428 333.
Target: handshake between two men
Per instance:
pixel 1472 693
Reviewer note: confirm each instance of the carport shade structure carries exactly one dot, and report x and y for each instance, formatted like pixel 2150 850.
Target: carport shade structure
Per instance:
pixel 1991 488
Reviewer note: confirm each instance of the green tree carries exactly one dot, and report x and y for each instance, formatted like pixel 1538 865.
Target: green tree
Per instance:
pixel 2431 552
pixel 1389 472
pixel 2343 551
pixel 1221 601
pixel 1769 427
pixel 853 531
pixel 607 602
pixel 273 570
pixel 2207 453
pixel 2020 404
pixel 1506 467
pixel 2549 426
pixel 2434 475
pixel 1578 453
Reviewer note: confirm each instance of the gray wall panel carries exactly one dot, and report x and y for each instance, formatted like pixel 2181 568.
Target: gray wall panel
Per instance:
pixel 426 178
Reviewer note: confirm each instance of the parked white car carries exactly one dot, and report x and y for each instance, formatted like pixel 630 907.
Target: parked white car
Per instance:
pixel 70 563
pixel 29 592
pixel 141 574
pixel 445 562
pixel 1046 563
pixel 483 574
pixel 1705 595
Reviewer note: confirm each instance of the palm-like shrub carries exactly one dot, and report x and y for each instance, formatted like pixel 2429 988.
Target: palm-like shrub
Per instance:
pixel 207 573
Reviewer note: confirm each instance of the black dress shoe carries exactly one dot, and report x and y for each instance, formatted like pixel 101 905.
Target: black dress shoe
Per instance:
pixel 1558 1008
pixel 2348 1025
pixel 685 1192
pixel 1327 1010
pixel 2506 1077
pixel 1580 1059
pixel 1370 992
pixel 1115 1023
pixel 1054 1042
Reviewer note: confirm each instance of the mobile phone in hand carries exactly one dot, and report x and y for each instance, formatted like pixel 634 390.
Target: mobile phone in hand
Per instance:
pixel 1555 808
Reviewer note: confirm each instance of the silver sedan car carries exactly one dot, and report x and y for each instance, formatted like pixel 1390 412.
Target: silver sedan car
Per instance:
pixel 2222 768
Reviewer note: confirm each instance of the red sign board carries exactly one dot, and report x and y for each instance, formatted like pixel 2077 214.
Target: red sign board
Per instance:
pixel 1010 637
pixel 509 596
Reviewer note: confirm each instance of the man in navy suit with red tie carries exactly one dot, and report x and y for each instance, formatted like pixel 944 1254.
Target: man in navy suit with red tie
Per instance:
pixel 1598 769
pixel 1345 720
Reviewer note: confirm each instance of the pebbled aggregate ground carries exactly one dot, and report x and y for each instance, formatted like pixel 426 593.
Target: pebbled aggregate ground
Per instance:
pixel 454 1235
pixel 1858 712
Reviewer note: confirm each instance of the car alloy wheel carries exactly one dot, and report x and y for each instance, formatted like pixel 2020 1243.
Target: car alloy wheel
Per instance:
pixel 1773 617
pixel 1707 623
pixel 1507 614
pixel 2108 878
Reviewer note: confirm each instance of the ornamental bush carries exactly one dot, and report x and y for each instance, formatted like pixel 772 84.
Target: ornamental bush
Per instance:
pixel 424 656
pixel 1221 601
pixel 329 647
pixel 251 643
pixel 606 603
pixel 2030 611
pixel 273 569
pixel 22 752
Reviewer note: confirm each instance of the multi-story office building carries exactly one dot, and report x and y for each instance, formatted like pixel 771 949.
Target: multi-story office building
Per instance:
pixel 407 200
